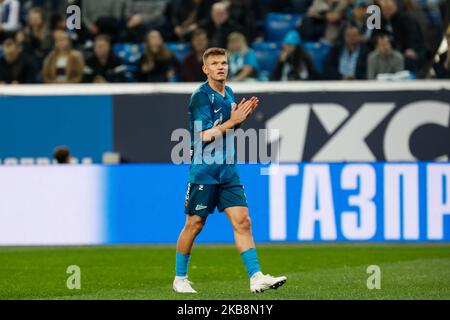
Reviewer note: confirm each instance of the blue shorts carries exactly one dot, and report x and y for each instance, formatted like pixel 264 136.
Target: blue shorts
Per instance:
pixel 202 199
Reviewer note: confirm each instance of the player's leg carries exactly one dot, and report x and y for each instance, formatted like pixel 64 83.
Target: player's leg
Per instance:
pixel 198 204
pixel 240 219
pixel 242 227
pixel 193 226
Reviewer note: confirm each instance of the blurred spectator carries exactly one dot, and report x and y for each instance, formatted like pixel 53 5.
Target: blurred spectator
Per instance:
pixel 442 68
pixel 186 14
pixel 383 59
pixel 62 155
pixel 244 14
pixel 141 16
pixel 359 19
pixel 104 66
pixel 103 17
pixel 432 35
pixel 36 38
pixel 405 32
pixel 9 18
pixel 289 6
pixel 219 25
pixel 323 20
pixel 293 63
pixel 242 62
pixel 57 22
pixel 347 61
pixel 158 63
pixel 191 70
pixel 63 65
pixel 15 67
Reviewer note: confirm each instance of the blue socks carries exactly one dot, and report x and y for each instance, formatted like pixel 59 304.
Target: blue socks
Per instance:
pixel 249 257
pixel 251 261
pixel 181 265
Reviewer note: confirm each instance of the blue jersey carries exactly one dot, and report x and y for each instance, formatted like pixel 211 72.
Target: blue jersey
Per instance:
pixel 213 162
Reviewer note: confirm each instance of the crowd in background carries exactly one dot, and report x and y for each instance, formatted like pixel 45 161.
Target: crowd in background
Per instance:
pixel 37 47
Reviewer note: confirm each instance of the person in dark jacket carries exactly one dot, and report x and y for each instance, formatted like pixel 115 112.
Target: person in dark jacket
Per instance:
pixel 158 63
pixel 219 25
pixel 191 69
pixel 185 16
pixel 104 66
pixel 293 63
pixel 347 61
pixel 405 32
pixel 15 66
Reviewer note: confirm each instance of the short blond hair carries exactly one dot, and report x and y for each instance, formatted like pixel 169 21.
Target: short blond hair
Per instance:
pixel 214 52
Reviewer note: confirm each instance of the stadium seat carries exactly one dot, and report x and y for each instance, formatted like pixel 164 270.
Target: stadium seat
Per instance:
pixel 129 52
pixel 266 54
pixel 181 50
pixel 277 25
pixel 318 52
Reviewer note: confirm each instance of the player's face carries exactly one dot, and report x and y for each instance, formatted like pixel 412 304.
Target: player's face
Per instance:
pixel 216 68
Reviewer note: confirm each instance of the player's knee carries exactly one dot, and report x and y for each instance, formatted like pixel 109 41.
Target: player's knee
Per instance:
pixel 243 225
pixel 195 227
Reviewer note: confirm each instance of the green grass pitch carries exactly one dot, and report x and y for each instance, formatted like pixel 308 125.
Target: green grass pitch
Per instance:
pixel 325 271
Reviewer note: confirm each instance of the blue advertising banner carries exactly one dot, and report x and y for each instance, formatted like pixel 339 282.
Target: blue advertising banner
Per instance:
pixel 303 202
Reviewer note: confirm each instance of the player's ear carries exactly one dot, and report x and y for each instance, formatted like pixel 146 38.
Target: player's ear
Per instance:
pixel 205 71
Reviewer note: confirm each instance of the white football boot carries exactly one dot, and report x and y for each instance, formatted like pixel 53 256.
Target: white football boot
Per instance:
pixel 183 285
pixel 260 282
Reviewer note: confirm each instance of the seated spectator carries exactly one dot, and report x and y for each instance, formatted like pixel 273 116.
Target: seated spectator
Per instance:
pixel 323 20
pixel 293 63
pixel 104 66
pixel 442 68
pixel 63 65
pixel 347 61
pixel 384 59
pixel 358 17
pixel 158 63
pixel 15 67
pixel 289 6
pixel 103 17
pixel 36 37
pixel 185 16
pixel 9 18
pixel 141 16
pixel 219 25
pixel 242 63
pixel 432 34
pixel 191 69
pixel 405 32
pixel 244 14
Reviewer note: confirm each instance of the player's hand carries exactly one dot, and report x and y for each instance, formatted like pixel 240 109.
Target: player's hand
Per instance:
pixel 255 104
pixel 240 112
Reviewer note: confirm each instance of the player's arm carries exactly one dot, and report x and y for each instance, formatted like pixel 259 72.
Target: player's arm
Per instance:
pixel 238 115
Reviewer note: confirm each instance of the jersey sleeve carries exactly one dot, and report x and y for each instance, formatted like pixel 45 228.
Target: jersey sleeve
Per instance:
pixel 201 112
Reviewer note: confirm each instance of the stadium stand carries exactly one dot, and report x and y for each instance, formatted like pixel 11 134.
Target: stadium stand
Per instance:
pixel 266 54
pixel 318 52
pixel 181 50
pixel 272 19
pixel 277 25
